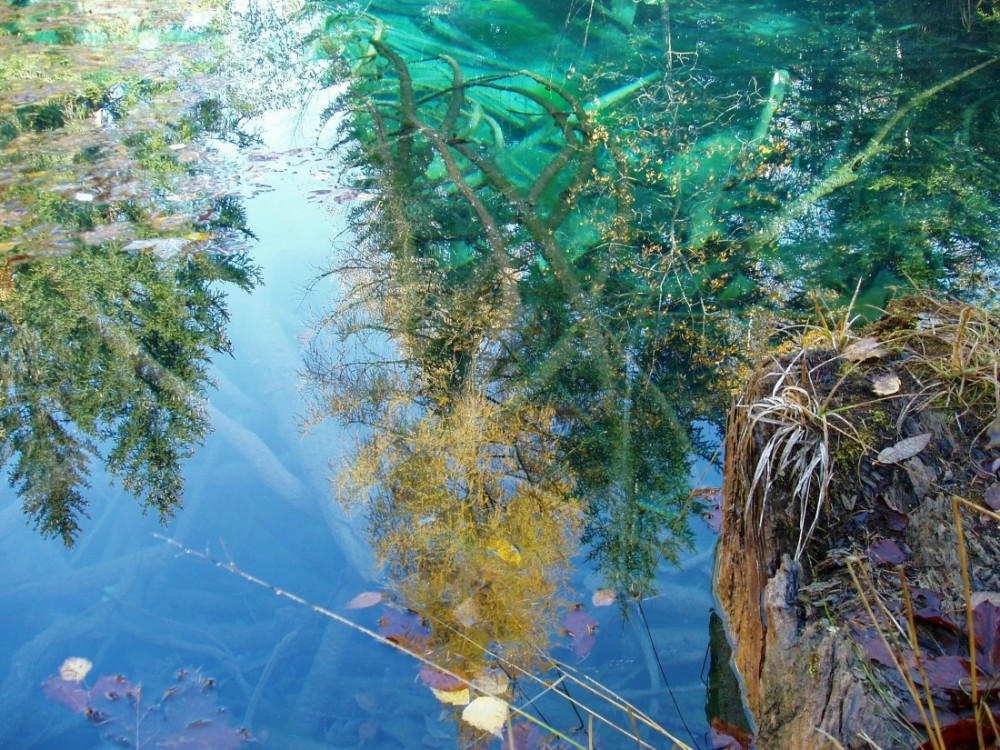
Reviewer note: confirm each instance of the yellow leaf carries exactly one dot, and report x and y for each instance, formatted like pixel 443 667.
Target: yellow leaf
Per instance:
pixel 487 713
pixel 506 551
pixel 458 697
pixel 75 668
pixel 199 236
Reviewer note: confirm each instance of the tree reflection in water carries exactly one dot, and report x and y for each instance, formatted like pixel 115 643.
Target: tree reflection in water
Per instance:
pixel 112 250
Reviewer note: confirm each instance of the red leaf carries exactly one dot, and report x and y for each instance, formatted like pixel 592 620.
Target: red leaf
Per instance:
pixel 992 496
pixel 947 672
pixel 404 627
pixel 927 607
pixel 70 694
pixel 578 622
pixel 434 678
pixel 894 519
pixel 726 736
pixel 885 552
pixel 186 717
pixel 986 626
pixel 961 735
pixel 872 642
pixel 580 626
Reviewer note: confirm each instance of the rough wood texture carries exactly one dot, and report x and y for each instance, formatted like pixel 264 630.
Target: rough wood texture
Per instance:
pixel 800 676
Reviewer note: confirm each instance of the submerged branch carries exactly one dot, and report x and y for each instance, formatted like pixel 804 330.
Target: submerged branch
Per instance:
pixel 847 172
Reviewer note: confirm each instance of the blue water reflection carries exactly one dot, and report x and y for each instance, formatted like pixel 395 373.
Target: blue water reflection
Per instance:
pixel 258 495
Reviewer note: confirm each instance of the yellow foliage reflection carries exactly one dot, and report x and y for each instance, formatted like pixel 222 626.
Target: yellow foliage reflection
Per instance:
pixel 472 525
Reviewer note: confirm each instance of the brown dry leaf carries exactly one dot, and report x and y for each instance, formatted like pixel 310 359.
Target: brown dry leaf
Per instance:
pixel 886 385
pixel 862 349
pixel 491 682
pixel 904 449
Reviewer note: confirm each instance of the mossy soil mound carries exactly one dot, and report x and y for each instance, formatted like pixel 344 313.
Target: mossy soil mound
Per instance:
pixel 847 457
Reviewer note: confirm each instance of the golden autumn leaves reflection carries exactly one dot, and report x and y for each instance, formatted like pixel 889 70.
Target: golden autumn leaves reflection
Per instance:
pixel 474 528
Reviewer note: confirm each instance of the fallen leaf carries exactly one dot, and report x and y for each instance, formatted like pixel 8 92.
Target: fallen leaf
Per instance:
pixel 886 552
pixel 580 626
pixel 604 598
pixel 365 599
pixel 904 449
pixel 993 433
pixel 948 672
pixel 894 519
pixel 506 551
pixel 459 697
pixel 75 668
pixel 467 612
pixel 992 496
pixel 927 607
pixel 403 627
pixel 435 678
pixel 962 735
pixel 726 736
pixel 875 647
pixel 66 692
pixel 862 349
pixel 487 713
pixel 491 682
pixel 886 385
pixel 986 626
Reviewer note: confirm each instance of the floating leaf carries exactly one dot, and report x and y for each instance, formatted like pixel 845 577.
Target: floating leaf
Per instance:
pixel 491 682
pixel 75 668
pixel 886 552
pixel 487 713
pixel 506 551
pixel 403 627
pixel 365 599
pixel 886 385
pixel 604 598
pixel 186 716
pixel 459 697
pixel 66 692
pixel 467 612
pixel 580 626
pixel 904 449
pixel 862 349
pixel 435 678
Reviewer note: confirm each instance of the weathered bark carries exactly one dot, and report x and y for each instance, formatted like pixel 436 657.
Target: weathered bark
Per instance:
pixel 802 678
